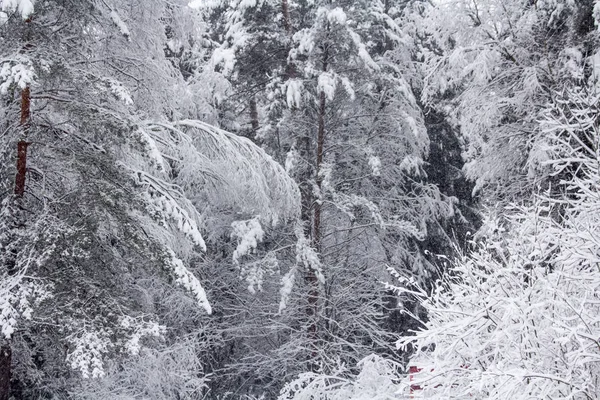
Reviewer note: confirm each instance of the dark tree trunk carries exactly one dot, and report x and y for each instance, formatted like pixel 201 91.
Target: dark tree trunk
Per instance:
pixel 5 371
pixel 22 145
pixel 5 349
pixel 21 168
pixel 311 277
pixel 285 9
pixel 254 116
pixel 316 238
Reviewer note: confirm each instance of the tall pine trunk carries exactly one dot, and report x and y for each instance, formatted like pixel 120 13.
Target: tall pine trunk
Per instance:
pixel 311 277
pixel 19 191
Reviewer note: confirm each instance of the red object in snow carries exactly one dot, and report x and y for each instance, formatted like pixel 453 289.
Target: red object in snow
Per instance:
pixel 411 371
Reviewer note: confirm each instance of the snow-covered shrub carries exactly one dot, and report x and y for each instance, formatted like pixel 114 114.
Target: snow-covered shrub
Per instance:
pixel 377 380
pixel 519 318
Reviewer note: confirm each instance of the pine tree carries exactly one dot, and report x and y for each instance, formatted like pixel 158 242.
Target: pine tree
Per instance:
pixel 341 112
pixel 113 190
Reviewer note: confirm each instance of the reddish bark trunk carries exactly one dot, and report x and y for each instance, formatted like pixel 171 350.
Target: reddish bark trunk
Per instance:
pixel 22 145
pixel 5 350
pixel 285 9
pixel 21 168
pixel 25 105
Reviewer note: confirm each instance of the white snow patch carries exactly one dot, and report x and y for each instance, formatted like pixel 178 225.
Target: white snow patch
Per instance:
pixel 595 64
pixel 411 164
pixel 327 85
pixel 287 284
pixel 307 256
pixel 337 16
pixel 116 19
pixel 119 90
pixel 20 73
pixel 138 329
pixel 153 151
pixel 249 233
pixel 89 349
pixel 291 160
pixel 325 171
pixel 294 93
pixel 412 125
pixel 348 87
pixel 25 7
pixel 375 164
pixel 363 54
pixel 185 278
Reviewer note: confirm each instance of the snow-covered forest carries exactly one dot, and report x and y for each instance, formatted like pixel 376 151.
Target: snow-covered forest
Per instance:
pixel 299 199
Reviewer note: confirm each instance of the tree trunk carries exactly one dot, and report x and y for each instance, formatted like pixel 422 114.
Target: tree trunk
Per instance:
pixel 285 9
pixel 21 168
pixel 5 371
pixel 254 116
pixel 5 349
pixel 311 278
pixel 316 238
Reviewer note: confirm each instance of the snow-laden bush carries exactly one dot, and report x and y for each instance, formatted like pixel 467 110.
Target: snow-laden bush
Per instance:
pixel 377 380
pixel 520 317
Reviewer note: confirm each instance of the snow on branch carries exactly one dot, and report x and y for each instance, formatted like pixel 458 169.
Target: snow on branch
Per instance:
pixel 18 297
pixel 307 256
pixel 186 278
pixel 116 19
pixel 519 317
pixel 90 344
pixel 375 381
pixel 248 233
pixel 166 199
pixel 16 71
pixel 251 178
pixel 25 7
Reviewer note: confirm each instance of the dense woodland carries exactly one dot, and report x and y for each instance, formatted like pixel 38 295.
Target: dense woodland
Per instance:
pixel 300 199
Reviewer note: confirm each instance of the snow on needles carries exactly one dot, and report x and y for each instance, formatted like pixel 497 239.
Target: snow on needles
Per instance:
pixel 17 300
pixel 327 85
pixel 116 19
pixel 18 71
pixel 249 233
pixel 25 7
pixel 185 278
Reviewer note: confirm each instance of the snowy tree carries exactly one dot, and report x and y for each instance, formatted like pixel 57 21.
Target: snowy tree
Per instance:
pixel 518 317
pixel 332 85
pixel 114 191
pixel 491 66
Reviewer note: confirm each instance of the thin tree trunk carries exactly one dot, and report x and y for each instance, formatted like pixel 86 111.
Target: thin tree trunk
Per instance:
pixel 285 9
pixel 287 25
pixel 313 294
pixel 319 178
pixel 254 116
pixel 21 168
pixel 311 278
